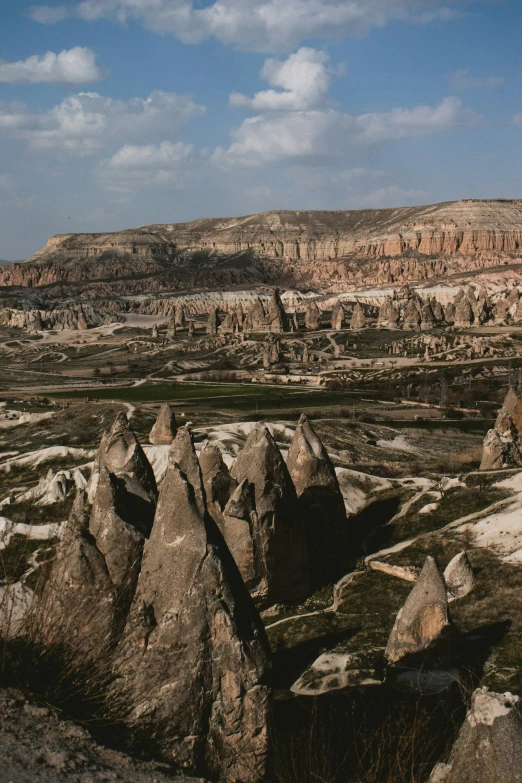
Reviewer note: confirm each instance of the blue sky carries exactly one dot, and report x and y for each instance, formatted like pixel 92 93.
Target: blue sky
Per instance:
pixel 119 113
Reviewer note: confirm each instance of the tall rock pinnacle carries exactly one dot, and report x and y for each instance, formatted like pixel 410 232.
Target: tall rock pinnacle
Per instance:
pixel 183 453
pixel 217 481
pixel 279 535
pixel 424 616
pixel 321 503
pixel 193 662
pixel 164 430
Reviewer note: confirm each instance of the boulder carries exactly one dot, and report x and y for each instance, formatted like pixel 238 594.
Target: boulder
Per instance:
pixel 217 481
pixel 459 577
pixel 423 618
pixel 192 666
pixel 164 430
pixel 279 533
pixel 488 748
pixel 321 504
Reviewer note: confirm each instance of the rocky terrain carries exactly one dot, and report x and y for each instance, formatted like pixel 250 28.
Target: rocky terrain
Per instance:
pixel 325 250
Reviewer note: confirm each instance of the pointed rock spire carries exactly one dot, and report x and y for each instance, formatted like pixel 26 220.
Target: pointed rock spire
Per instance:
pixel 358 318
pixel 312 316
pixel 183 453
pixel 193 662
pixel 423 617
pixel 217 481
pixel 213 321
pixel 459 577
pixel 277 319
pixel 279 535
pixel 164 430
pixel 338 316
pixel 321 504
pixel 122 455
pixel 239 525
pixel 489 746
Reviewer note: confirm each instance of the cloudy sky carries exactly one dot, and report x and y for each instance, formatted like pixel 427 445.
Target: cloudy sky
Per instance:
pixel 119 113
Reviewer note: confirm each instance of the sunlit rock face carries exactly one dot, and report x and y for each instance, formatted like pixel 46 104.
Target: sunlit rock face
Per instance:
pixel 503 444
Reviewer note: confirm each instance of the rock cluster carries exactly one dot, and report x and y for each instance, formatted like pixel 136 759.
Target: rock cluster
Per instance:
pixel 459 577
pixel 489 746
pixel 503 444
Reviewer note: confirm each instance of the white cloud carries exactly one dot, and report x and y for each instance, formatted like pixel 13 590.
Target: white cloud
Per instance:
pixel 48 14
pixel 304 78
pixel 464 80
pixel 329 135
pixel 148 155
pixel 261 25
pixel 86 123
pixel 72 66
pixel 517 120
pixel 147 165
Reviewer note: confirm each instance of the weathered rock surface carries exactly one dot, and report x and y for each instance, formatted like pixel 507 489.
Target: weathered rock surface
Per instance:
pixel 503 444
pixel 459 577
pixel 217 481
pixel 193 663
pixel 164 430
pixel 358 320
pixel 281 556
pixel 321 504
pixel 37 746
pixel 489 746
pixel 312 316
pixel 423 618
pixel 338 316
pixel 183 453
pixel 240 529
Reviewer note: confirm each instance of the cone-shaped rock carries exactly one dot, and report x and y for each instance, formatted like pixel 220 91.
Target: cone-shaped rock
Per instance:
pixel 424 616
pixel 338 316
pixel 280 535
pixel 321 504
pixel 411 316
pixel 239 528
pixel 213 321
pixel 122 455
pixel 76 611
pixel 193 662
pixel 464 314
pixel 183 453
pixel 450 312
pixel 489 746
pixel 277 319
pixel 427 317
pixel 503 444
pixel 312 316
pixel 358 318
pixel 164 430
pixel 217 482
pixel 459 577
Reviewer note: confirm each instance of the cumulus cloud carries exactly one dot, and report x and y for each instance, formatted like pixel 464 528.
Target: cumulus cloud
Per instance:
pixel 146 165
pixel 304 78
pixel 85 123
pixel 330 135
pixel 464 80
pixel 72 66
pixel 261 25
pixel 149 155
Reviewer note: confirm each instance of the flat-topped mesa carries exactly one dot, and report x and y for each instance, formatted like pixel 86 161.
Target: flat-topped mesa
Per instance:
pixel 312 316
pixel 164 430
pixel 459 577
pixel 193 663
pixel 122 455
pixel 338 316
pixel 358 320
pixel 183 454
pixel 488 748
pixel 76 610
pixel 217 481
pixel 503 444
pixel 424 617
pixel 279 533
pixel 321 505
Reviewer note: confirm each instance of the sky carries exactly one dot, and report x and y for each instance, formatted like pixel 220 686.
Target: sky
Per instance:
pixel 123 113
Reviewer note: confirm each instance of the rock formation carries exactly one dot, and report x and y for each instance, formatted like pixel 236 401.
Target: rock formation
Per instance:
pixel 179 316
pixel 489 746
pixel 427 317
pixel 277 319
pixel 279 536
pixel 503 444
pixel 423 618
pixel 218 484
pixel 122 455
pixel 192 665
pixel 213 321
pixel 240 526
pixel 411 316
pixel 459 577
pixel 164 430
pixel 338 316
pixel 450 312
pixel 358 320
pixel 183 453
pixel 312 316
pixel 321 504
pixel 464 314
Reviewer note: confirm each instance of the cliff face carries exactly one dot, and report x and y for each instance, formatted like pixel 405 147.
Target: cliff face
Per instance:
pixel 312 248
